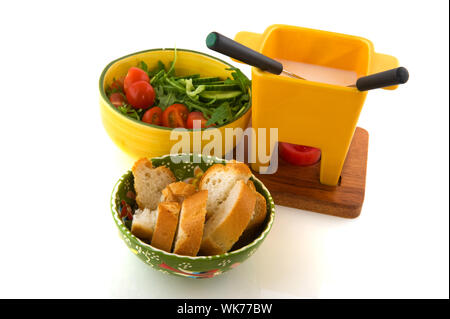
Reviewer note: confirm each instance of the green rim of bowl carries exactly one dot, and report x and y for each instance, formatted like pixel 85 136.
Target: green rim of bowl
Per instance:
pixel 103 93
pixel 124 230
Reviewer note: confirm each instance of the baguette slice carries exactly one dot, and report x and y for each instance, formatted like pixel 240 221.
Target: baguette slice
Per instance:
pixel 253 227
pixel 166 225
pixel 225 227
pixel 251 185
pixel 218 181
pixel 177 192
pixel 143 224
pixel 259 213
pixel 190 225
pixel 149 183
pixel 258 217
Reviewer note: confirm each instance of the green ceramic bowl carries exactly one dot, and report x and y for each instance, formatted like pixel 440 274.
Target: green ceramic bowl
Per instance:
pixel 185 266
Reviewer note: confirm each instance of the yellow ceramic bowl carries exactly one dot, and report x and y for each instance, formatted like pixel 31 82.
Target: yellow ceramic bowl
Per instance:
pixel 140 139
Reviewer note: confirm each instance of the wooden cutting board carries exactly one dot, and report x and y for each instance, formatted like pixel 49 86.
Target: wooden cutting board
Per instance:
pixel 299 187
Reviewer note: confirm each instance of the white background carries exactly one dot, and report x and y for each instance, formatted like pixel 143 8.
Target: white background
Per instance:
pixel 58 166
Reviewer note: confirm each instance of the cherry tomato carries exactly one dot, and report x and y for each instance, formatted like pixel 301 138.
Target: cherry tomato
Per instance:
pixel 134 75
pixel 140 95
pixel 117 99
pixel 298 154
pixel 153 116
pixel 171 117
pixel 118 84
pixel 195 116
pixel 183 110
pixel 126 211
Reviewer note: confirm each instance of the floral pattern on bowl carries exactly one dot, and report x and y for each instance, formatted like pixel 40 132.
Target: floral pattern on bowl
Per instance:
pixel 189 169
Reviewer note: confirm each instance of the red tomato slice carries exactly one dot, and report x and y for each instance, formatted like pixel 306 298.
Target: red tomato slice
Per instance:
pixel 126 210
pixel 195 116
pixel 140 95
pixel 183 110
pixel 171 117
pixel 117 99
pixel 298 154
pixel 134 75
pixel 153 116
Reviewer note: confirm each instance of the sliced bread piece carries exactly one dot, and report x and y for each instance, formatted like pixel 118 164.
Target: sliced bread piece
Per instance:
pixel 177 192
pixel 143 224
pixel 166 225
pixel 190 225
pixel 253 227
pixel 259 213
pixel 225 227
pixel 251 185
pixel 258 217
pixel 149 183
pixel 218 181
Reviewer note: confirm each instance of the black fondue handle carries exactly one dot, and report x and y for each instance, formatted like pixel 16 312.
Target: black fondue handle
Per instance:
pixel 380 80
pixel 220 43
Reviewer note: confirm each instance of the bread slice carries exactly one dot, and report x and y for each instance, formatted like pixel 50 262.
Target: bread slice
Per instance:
pixel 218 181
pixel 149 183
pixel 166 225
pixel 177 192
pixel 225 227
pixel 259 213
pixel 251 185
pixel 190 225
pixel 143 224
pixel 258 217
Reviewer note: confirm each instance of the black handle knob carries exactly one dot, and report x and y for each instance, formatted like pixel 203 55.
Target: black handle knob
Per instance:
pixel 379 80
pixel 220 43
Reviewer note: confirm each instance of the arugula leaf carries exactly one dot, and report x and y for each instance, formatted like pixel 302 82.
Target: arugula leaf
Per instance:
pixel 157 76
pixel 109 90
pixel 211 102
pixel 194 105
pixel 143 66
pixel 229 81
pixel 130 111
pixel 239 112
pixel 159 91
pixel 221 114
pixel 164 99
pixel 241 79
pixel 159 67
pixel 175 85
pixel 172 66
pixel 167 100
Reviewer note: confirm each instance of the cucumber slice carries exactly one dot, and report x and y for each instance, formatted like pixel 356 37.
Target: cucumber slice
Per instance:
pixel 191 76
pixel 216 83
pixel 220 95
pixel 205 80
pixel 223 87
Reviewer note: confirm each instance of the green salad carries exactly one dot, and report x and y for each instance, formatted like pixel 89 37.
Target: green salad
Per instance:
pixel 158 95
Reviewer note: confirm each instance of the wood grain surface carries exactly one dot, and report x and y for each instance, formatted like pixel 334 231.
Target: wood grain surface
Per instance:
pixel 299 187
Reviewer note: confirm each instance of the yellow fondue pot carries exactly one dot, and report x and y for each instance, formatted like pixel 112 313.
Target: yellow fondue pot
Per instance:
pixel 307 112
